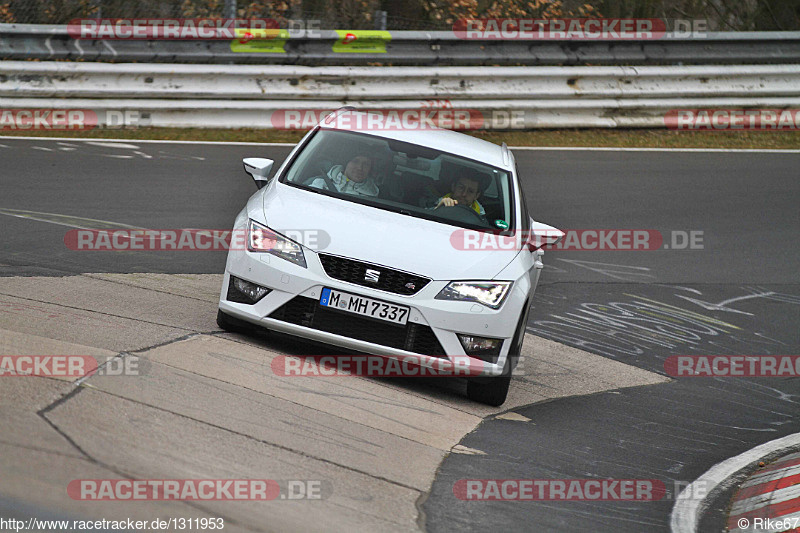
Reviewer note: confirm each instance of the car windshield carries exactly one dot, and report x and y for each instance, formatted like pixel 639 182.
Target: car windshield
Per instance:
pixel 405 178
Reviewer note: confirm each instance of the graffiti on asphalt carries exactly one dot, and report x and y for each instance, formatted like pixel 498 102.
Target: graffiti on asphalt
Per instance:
pixel 637 325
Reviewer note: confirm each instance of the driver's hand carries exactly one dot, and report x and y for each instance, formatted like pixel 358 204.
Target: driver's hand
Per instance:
pixel 447 202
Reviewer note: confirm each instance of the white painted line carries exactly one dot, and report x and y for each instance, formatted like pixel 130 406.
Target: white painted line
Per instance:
pixel 62 220
pixel 116 144
pixel 153 141
pixel 537 148
pixel 687 511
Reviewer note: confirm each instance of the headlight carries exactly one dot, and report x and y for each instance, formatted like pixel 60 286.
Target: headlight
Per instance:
pixel 489 293
pixel 262 239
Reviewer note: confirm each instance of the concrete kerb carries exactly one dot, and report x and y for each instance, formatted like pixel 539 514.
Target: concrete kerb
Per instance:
pixel 688 511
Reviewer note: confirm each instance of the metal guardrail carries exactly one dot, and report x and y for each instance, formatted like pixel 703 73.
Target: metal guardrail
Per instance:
pixel 357 84
pixel 42 42
pixel 236 96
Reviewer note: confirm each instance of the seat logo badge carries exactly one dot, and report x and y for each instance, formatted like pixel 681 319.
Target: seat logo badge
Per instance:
pixel 410 286
pixel 372 275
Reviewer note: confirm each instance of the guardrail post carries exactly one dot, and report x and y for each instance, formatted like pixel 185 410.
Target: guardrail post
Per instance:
pixel 380 20
pixel 230 9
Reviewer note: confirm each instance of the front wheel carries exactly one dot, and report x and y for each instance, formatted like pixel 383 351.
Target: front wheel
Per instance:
pixel 494 390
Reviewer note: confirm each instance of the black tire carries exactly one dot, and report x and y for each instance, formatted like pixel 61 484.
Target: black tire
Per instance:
pixel 233 324
pixel 490 391
pixel 494 390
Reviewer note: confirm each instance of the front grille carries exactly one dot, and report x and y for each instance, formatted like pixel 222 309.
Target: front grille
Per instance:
pixel 389 280
pixel 307 312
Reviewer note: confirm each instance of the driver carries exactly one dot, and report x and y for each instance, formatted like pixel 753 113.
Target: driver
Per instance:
pixel 464 191
pixel 351 179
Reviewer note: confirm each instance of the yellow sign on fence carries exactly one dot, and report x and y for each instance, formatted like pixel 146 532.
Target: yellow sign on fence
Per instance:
pixel 362 41
pixel 260 41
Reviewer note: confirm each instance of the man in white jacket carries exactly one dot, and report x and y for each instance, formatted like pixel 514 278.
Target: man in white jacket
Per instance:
pixel 351 179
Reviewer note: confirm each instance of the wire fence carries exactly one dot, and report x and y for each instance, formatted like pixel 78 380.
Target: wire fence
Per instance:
pixel 358 16
pixel 421 15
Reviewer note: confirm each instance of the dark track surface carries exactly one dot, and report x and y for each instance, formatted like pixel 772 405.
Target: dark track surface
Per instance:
pixel 738 295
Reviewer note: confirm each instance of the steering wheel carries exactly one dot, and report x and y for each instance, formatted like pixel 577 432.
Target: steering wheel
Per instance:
pixel 472 212
pixel 466 208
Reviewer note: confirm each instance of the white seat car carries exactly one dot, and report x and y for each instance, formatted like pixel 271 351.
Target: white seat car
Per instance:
pixel 396 265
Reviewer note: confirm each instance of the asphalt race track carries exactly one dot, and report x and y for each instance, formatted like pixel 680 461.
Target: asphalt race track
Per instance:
pixel 592 399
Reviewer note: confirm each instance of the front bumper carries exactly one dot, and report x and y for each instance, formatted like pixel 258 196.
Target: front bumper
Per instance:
pixel 293 286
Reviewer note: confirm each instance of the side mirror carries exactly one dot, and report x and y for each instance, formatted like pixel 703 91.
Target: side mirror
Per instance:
pixel 259 169
pixel 542 235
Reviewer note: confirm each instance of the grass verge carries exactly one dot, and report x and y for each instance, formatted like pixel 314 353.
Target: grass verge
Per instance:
pixel 597 137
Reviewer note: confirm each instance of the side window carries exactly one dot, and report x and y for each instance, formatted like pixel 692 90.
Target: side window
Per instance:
pixel 491 190
pixel 525 222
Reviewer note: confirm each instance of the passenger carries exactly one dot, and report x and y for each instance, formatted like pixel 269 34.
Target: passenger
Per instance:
pixel 464 191
pixel 351 179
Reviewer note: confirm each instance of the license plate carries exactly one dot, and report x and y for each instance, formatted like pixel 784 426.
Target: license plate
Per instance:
pixel 359 305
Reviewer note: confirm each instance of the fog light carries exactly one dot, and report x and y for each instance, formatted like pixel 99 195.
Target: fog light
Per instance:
pixel 244 292
pixel 483 348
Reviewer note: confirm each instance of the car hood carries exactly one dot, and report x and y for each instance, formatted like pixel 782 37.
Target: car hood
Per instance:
pixel 382 237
